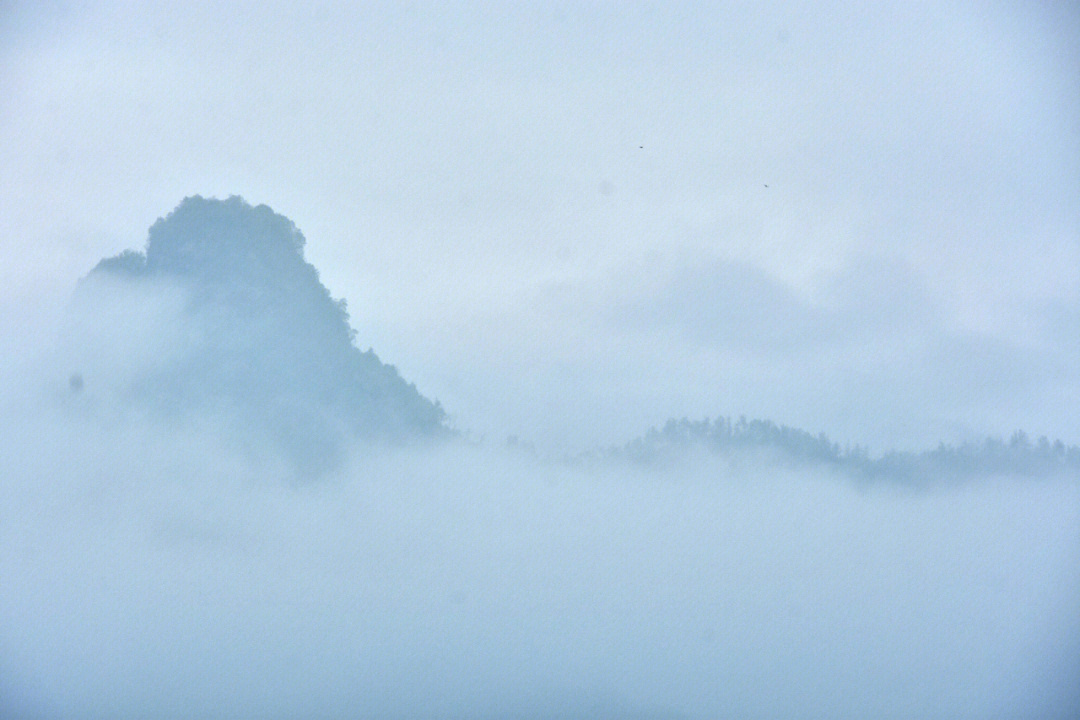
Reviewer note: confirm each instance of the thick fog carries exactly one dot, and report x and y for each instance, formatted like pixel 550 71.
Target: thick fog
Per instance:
pixel 151 572
pixel 163 563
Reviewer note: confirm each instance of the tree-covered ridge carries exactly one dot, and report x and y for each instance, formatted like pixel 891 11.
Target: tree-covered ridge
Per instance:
pixel 752 440
pixel 263 340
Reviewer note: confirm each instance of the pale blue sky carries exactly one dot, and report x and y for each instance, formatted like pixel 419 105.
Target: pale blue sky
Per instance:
pixel 555 219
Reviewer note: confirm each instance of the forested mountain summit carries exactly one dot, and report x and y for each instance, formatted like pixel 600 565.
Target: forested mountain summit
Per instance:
pixel 223 315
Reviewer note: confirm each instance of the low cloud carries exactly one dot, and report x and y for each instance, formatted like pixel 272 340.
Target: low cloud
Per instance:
pixel 155 572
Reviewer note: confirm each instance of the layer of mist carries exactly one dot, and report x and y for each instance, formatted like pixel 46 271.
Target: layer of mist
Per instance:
pixel 151 572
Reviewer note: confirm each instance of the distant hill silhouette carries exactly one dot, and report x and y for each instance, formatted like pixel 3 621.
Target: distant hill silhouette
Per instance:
pixel 752 441
pixel 222 321
pixel 261 341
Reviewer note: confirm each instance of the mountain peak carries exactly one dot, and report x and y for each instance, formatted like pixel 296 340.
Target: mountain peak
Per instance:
pixel 202 233
pixel 260 337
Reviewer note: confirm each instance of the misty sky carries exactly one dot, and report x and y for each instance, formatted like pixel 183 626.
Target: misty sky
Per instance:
pixel 572 223
pixel 566 223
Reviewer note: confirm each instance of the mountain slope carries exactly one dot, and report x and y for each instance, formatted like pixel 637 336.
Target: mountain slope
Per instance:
pixel 243 330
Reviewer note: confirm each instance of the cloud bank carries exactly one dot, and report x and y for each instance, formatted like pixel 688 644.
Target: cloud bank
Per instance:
pixel 155 573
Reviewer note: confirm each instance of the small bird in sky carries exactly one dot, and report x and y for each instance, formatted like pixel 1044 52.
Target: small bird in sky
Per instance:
pixel 766 185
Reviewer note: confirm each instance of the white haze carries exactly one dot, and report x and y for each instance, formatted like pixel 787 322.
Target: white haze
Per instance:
pixel 566 222
pixel 150 571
